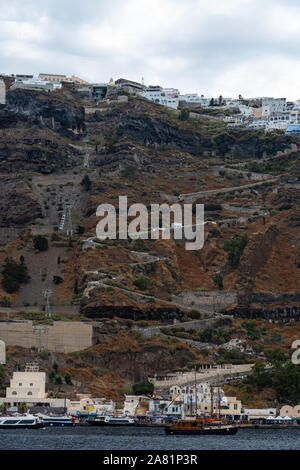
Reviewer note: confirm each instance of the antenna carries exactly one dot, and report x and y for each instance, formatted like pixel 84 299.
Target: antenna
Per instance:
pixel 47 293
pixel 40 330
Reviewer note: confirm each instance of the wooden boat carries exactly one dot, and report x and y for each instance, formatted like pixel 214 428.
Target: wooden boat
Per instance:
pixel 199 426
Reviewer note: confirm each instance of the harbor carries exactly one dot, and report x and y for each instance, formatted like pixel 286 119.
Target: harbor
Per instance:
pixel 145 438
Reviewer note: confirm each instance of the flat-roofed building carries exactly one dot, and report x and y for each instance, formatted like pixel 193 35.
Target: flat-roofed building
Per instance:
pixel 29 384
pixel 52 77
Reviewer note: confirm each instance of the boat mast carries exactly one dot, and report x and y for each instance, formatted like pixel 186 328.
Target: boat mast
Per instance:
pixel 219 403
pixel 211 400
pixel 196 402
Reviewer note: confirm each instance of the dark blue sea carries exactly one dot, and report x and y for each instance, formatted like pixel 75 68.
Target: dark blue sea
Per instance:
pixel 113 438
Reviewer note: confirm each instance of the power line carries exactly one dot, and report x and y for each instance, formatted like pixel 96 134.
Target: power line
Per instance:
pixel 40 330
pixel 47 293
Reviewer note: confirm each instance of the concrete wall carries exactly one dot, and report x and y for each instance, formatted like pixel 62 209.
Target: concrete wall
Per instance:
pixel 206 301
pixel 60 337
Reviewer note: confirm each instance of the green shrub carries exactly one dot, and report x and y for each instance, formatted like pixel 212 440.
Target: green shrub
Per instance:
pixel 40 243
pixel 235 247
pixel 14 274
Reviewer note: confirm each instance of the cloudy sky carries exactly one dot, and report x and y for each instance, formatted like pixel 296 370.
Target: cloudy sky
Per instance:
pixel 211 47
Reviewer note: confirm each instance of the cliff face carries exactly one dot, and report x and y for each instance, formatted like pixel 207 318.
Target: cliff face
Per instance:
pixel 252 260
pixel 18 204
pixel 47 110
pixel 37 130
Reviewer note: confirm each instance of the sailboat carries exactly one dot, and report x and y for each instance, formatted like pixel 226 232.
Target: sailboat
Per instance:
pixel 202 425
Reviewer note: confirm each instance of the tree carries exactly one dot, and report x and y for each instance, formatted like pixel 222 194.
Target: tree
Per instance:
pixel 22 408
pixel 68 378
pixel 86 183
pixel 235 247
pixel 57 279
pixel 143 388
pixel 129 170
pixel 13 275
pixel 4 407
pixel 218 280
pixel 40 243
pixel 276 357
pixel 141 283
pixel 184 115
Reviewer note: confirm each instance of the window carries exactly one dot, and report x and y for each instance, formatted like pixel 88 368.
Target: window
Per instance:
pixel 29 393
pixel 31 385
pixel 14 393
pixel 20 385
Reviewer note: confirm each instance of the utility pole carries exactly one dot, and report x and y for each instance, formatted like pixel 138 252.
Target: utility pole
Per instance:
pixel 40 330
pixel 47 293
pixel 87 155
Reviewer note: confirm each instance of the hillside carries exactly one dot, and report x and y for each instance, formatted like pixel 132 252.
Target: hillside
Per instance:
pixel 249 267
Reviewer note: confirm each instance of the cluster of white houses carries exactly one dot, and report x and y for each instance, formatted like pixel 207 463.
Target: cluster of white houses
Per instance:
pixel 29 387
pixel 257 113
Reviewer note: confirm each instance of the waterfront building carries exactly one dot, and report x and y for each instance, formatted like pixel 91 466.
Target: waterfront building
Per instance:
pixel 290 411
pixel 259 413
pixel 30 383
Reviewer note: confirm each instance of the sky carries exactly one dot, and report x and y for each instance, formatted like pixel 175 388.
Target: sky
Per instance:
pixel 210 47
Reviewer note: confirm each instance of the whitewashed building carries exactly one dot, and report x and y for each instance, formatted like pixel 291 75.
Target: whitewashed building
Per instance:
pixel 29 384
pixel 273 105
pixel 165 96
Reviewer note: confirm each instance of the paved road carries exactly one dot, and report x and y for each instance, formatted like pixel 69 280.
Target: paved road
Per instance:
pixel 191 197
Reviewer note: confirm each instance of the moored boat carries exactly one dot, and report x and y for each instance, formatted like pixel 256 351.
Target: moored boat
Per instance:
pixel 199 426
pixel 21 422
pixel 60 421
pixel 111 421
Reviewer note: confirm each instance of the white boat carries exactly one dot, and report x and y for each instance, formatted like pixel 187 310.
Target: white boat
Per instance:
pixel 111 421
pixel 21 422
pixel 60 421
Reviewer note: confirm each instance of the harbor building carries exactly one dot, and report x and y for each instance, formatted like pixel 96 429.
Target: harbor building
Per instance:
pixel 30 383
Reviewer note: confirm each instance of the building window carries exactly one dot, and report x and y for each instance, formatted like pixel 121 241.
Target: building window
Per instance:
pixel 14 393
pixel 31 385
pixel 20 385
pixel 29 393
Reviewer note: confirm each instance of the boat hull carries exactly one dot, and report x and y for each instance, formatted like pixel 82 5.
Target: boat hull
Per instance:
pixel 22 426
pixel 228 431
pixel 102 423
pixel 59 425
